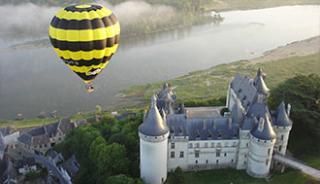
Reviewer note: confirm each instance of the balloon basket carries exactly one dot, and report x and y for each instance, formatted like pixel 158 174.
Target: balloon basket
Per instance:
pixel 89 88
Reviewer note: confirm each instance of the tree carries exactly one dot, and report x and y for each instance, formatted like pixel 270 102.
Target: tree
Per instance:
pixel 120 179
pixel 303 93
pixel 176 177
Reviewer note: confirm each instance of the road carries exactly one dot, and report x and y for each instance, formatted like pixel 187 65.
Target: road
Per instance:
pixel 297 165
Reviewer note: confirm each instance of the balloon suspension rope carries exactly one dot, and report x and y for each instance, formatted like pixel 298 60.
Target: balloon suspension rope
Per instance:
pixel 89 87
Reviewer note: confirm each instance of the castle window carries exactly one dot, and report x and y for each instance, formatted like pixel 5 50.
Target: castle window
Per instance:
pixel 280 147
pixel 245 163
pixel 172 145
pixel 207 161
pixel 212 144
pixel 282 137
pixel 267 161
pixel 197 145
pixel 245 97
pixel 205 144
pixel 181 154
pixel 217 161
pixel 218 153
pixel 219 145
pixel 196 161
pixel 247 144
pixel 190 145
pixel 239 91
pixel 269 150
pixel 197 153
pixel 225 154
pixel 172 154
pixel 231 160
pixel 235 144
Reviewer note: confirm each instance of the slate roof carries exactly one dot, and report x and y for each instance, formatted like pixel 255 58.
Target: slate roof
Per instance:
pixel 153 123
pixel 248 123
pixel 261 85
pixel 29 161
pixel 282 118
pixel 71 166
pixel 258 110
pixel 263 130
pixel 245 90
pixel 237 112
pixel 5 131
pixel 42 135
pixel 198 128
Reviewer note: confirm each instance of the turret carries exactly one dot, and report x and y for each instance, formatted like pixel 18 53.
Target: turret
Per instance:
pixel 244 135
pixel 153 133
pixel 282 126
pixel 262 140
pixel 262 89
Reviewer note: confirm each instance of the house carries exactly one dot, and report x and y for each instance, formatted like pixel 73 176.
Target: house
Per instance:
pixel 43 138
pixel 26 165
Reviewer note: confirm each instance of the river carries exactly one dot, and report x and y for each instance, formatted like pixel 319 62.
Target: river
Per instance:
pixel 34 79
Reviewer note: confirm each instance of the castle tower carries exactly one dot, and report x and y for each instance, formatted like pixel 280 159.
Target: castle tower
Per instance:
pixel 282 126
pixel 262 140
pixel 244 135
pixel 153 133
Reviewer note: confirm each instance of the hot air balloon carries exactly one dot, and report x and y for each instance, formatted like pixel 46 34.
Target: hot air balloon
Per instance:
pixel 85 37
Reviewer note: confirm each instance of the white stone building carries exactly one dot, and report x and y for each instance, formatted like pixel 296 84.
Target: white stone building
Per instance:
pixel 200 138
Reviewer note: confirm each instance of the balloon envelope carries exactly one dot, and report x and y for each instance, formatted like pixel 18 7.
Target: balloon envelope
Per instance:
pixel 85 37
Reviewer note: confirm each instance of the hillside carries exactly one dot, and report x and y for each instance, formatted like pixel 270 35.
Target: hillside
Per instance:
pixel 301 57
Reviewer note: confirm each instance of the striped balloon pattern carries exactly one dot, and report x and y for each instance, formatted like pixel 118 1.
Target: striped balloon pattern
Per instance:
pixel 85 37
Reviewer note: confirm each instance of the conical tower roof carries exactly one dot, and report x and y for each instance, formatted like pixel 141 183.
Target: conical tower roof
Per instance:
pixel 237 112
pixel 282 118
pixel 153 123
pixel 260 84
pixel 264 130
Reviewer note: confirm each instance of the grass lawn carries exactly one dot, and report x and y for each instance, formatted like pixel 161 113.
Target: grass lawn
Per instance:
pixel 232 176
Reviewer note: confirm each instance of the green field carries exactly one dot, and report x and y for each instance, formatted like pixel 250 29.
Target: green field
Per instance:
pixel 228 176
pixel 28 123
pixel 213 82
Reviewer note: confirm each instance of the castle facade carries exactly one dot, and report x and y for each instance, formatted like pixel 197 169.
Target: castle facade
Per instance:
pixel 199 138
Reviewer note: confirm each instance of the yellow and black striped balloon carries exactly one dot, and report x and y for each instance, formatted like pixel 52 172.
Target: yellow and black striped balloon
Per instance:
pixel 85 37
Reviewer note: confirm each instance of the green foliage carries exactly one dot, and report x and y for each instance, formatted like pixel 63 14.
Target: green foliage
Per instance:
pixel 120 179
pixel 177 177
pixel 225 109
pixel 205 102
pixel 106 151
pixel 303 93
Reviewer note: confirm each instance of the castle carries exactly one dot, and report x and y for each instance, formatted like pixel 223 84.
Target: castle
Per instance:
pixel 199 138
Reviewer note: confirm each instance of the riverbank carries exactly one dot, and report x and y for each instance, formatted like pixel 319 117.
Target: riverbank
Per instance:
pixel 280 64
pixel 227 5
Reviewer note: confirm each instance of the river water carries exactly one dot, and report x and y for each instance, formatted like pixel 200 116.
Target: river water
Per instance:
pixel 34 79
